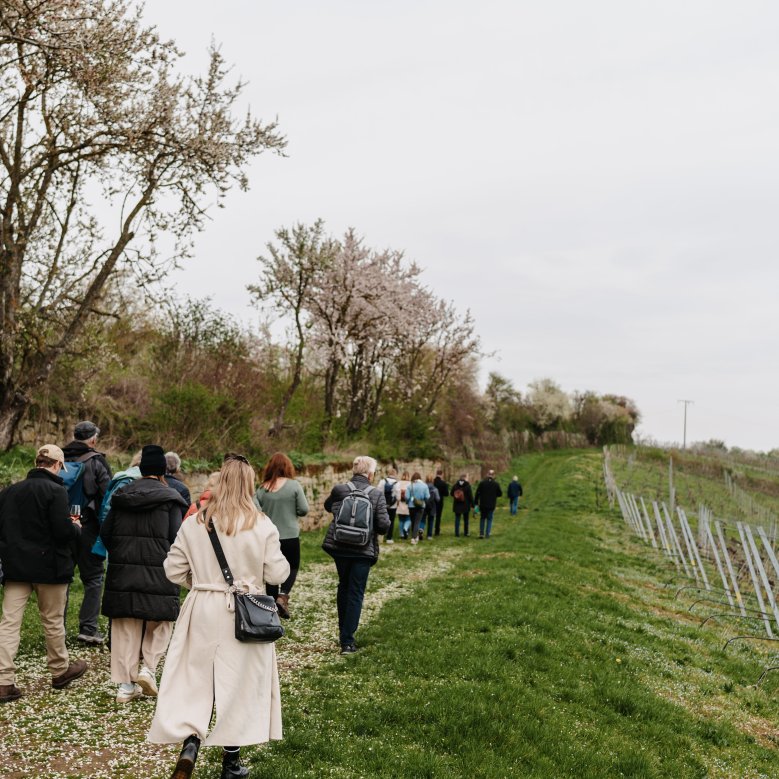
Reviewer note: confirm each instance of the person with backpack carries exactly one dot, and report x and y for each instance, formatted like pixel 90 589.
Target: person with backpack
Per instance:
pixel 486 499
pixel 36 538
pixel 359 517
pixel 514 493
pixel 118 481
pixel 142 604
pixel 462 503
pixel 443 493
pixel 282 499
pixel 87 480
pixel 417 495
pixel 399 493
pixel 431 507
pixel 387 485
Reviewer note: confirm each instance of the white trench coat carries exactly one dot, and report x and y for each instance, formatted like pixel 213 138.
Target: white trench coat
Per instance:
pixel 206 666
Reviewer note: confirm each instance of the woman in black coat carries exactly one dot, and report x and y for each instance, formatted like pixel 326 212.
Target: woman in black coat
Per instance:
pixel 140 601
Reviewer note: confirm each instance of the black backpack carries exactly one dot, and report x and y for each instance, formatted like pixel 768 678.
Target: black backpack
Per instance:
pixel 388 497
pixel 354 521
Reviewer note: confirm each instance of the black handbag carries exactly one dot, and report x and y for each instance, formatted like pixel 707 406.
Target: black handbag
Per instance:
pixel 256 616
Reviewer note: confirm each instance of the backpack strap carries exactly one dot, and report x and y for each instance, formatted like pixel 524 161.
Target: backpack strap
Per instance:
pixel 353 488
pixel 219 552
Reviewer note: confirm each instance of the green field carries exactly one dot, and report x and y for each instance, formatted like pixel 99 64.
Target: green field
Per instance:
pixel 554 649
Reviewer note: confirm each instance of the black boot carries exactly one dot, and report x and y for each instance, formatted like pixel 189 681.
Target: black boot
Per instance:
pixel 231 764
pixel 187 758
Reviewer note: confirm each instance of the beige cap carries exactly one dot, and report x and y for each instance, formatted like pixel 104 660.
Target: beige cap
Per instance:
pixel 52 452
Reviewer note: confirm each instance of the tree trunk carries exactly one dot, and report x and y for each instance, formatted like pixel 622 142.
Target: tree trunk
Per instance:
pixel 11 414
pixel 297 377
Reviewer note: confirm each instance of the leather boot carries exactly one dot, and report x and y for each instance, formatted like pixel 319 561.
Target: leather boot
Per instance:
pixel 282 603
pixel 231 765
pixel 186 762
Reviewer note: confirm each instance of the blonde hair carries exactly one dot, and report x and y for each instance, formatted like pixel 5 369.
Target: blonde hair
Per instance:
pixel 231 507
pixel 213 481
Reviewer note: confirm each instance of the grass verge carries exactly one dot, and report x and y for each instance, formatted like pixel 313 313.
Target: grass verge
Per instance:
pixel 553 649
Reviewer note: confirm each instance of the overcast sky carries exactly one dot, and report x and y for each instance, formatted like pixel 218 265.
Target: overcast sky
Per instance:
pixel 598 182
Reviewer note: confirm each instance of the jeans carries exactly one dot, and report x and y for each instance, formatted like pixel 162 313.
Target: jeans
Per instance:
pixel 404 523
pixel 416 519
pixel 90 571
pixel 352 579
pixel 428 521
pixel 486 519
pixel 514 503
pixel 290 548
pixel 457 516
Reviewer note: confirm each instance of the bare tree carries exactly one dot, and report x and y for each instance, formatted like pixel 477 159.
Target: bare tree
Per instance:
pixel 288 274
pixel 92 110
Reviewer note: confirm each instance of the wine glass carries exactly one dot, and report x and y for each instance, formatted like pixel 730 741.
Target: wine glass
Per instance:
pixel 75 512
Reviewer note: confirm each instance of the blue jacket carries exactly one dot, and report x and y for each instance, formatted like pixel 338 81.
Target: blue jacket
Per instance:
pixel 417 490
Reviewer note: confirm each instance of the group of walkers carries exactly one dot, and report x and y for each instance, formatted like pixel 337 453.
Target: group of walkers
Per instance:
pixel 71 511
pixel 419 505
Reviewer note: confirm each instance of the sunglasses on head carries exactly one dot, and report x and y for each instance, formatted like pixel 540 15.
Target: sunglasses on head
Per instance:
pixel 235 456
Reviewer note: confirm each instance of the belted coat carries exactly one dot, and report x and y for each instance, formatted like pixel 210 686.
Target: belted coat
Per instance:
pixel 206 665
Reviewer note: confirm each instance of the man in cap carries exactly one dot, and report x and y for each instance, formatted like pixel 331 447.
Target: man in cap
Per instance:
pixel 94 482
pixel 36 538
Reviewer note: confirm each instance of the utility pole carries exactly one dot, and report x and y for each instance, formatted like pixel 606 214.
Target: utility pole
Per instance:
pixel 686 403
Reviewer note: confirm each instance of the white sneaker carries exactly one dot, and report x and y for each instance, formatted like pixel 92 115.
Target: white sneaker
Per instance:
pixel 390 541
pixel 147 682
pixel 128 692
pixel 414 540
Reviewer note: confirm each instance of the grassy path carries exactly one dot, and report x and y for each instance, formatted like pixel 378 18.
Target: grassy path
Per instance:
pixel 551 650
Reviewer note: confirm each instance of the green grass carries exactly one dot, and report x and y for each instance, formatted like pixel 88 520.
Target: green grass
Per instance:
pixel 552 650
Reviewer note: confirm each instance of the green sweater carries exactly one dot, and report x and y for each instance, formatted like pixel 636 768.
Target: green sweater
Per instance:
pixel 284 507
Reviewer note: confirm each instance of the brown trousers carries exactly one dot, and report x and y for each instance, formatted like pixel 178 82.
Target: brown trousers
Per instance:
pixel 130 642
pixel 51 605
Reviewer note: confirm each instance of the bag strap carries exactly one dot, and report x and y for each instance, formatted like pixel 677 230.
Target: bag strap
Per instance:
pixel 354 488
pixel 220 555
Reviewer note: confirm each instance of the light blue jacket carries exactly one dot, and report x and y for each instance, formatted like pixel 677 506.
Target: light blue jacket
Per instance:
pixel 417 489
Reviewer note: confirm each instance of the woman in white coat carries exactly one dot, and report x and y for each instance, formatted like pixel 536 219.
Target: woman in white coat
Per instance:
pixel 206 666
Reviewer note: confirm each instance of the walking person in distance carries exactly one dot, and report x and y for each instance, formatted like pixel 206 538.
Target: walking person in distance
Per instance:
pixel 443 492
pixel 486 499
pixel 462 503
pixel 387 485
pixel 514 493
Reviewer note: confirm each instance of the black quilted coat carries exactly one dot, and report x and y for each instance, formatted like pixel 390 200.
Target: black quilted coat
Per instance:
pixel 138 532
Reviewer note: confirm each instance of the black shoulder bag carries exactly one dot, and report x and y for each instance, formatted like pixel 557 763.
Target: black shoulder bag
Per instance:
pixel 256 616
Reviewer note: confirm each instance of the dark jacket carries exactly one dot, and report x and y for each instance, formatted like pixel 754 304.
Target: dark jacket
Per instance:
pixel 462 506
pixel 180 487
pixel 381 521
pixel 442 487
pixel 514 489
pixel 97 475
pixel 138 532
pixel 36 534
pixel 487 494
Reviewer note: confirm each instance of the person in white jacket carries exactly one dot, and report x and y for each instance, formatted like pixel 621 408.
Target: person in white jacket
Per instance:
pixel 207 666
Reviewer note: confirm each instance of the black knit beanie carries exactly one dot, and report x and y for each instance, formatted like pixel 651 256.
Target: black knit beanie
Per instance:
pixel 153 461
